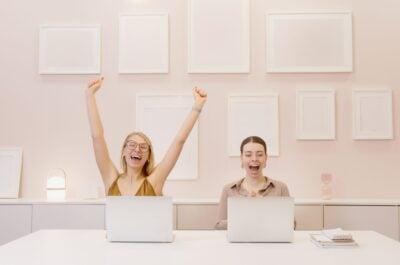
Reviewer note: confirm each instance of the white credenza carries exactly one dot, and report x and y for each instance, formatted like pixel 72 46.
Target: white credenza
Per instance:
pixel 15 221
pixel 309 217
pixel 196 214
pixel 23 216
pixel 67 216
pixel 202 214
pixel 380 218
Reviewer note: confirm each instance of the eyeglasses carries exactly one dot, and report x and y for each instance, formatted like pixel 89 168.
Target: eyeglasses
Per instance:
pixel 131 145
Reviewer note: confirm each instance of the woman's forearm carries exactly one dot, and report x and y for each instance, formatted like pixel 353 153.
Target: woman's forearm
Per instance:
pixel 96 127
pixel 187 126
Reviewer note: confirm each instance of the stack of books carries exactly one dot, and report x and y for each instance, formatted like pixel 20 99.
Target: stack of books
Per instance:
pixel 333 238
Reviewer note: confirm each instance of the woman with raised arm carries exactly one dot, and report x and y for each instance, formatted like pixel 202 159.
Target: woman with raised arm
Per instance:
pixel 139 176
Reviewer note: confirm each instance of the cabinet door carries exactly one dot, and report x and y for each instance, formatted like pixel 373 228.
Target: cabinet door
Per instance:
pixel 67 216
pixel 382 219
pixel 309 217
pixel 15 221
pixel 196 216
pixel 174 216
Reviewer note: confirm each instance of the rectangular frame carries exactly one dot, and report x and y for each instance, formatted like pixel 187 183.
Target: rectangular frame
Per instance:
pixel 241 106
pixel 372 114
pixel 143 43
pixel 315 114
pixel 153 110
pixel 10 171
pixel 69 49
pixel 218 37
pixel 309 42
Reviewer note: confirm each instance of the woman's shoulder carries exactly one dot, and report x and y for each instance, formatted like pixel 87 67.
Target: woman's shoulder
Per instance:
pixel 231 188
pixel 280 186
pixel 277 183
pixel 233 184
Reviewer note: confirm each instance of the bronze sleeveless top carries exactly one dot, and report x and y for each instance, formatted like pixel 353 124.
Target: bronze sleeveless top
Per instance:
pixel 144 190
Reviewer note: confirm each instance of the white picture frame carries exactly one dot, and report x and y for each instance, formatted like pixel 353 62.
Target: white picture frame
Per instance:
pixel 372 114
pixel 10 172
pixel 309 42
pixel 253 114
pixel 69 49
pixel 160 116
pixel 218 36
pixel 143 43
pixel 315 114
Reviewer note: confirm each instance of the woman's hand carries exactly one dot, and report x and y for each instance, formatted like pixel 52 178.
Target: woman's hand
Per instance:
pixel 95 85
pixel 200 97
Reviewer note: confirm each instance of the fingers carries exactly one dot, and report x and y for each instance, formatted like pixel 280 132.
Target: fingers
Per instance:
pixel 92 83
pixel 199 91
pixel 98 82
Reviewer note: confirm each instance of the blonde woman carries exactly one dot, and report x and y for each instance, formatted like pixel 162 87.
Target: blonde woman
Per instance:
pixel 139 176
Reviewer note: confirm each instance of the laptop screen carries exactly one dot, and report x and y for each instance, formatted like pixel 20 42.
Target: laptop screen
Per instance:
pixel 139 218
pixel 260 219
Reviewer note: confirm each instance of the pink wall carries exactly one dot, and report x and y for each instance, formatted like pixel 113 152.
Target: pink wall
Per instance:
pixel 46 114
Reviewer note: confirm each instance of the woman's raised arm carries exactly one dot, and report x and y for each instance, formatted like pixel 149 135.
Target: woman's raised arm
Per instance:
pixel 107 169
pixel 160 174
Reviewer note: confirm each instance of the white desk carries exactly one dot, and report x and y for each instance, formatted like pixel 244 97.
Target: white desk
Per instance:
pixel 75 247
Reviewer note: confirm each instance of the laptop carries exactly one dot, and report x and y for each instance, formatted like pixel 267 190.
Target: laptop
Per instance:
pixel 260 219
pixel 139 219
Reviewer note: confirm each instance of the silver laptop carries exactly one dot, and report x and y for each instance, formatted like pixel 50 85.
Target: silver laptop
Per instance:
pixel 139 218
pixel 265 219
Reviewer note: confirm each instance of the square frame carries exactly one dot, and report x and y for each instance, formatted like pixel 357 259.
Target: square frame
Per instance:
pixel 315 114
pixel 218 38
pixel 143 43
pixel 372 114
pixel 69 49
pixel 309 42
pixel 153 109
pixel 10 171
pixel 241 106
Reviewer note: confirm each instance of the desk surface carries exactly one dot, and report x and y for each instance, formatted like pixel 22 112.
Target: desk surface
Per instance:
pixel 77 247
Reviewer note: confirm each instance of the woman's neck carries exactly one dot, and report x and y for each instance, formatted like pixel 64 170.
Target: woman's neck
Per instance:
pixel 134 175
pixel 254 181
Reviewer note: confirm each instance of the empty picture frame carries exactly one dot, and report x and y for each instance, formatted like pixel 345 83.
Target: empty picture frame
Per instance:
pixel 69 49
pixel 253 114
pixel 218 36
pixel 372 114
pixel 315 114
pixel 309 42
pixel 10 171
pixel 168 110
pixel 143 43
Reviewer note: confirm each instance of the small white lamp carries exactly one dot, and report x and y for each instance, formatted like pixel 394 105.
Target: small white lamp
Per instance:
pixel 56 184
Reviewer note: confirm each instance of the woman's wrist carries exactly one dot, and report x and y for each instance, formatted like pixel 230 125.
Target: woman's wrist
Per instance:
pixel 197 109
pixel 89 93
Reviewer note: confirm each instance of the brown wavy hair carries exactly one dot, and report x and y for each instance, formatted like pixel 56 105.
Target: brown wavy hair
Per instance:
pixel 253 139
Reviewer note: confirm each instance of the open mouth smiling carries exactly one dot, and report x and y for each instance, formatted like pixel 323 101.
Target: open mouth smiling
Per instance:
pixel 136 157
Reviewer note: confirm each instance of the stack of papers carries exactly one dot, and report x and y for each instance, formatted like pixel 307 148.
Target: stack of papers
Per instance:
pixel 333 238
pixel 337 234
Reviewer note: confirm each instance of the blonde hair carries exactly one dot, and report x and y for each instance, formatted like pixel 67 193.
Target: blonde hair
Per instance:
pixel 149 165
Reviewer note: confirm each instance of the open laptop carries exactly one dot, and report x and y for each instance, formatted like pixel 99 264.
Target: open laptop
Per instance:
pixel 260 219
pixel 139 218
